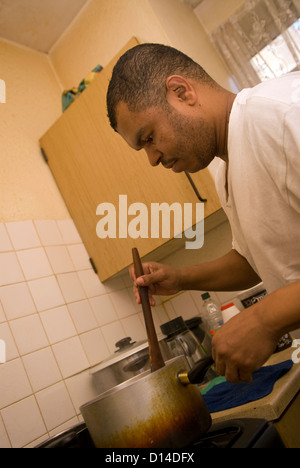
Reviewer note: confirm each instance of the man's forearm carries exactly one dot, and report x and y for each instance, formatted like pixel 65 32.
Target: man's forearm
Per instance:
pixel 229 273
pixel 247 340
pixel 280 311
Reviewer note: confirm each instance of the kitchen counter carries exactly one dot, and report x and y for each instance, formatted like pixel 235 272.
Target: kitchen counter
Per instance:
pixel 282 406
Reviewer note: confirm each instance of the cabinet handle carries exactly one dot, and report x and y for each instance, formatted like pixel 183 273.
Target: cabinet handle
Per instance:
pixel 44 155
pixel 93 265
pixel 195 188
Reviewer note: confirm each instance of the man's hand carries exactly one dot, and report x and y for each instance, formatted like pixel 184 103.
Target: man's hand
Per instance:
pixel 160 279
pixel 244 343
pixel 242 346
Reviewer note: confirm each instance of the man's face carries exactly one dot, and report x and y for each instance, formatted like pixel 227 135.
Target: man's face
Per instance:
pixel 179 141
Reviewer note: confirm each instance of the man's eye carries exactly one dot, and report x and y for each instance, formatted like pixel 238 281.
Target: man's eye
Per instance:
pixel 149 140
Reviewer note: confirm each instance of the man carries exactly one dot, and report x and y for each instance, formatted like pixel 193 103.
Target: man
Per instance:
pixel 161 101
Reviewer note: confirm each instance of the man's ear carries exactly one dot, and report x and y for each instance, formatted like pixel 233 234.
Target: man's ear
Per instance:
pixel 180 90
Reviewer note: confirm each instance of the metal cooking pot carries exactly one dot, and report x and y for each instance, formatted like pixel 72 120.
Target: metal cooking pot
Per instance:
pixel 130 359
pixel 153 410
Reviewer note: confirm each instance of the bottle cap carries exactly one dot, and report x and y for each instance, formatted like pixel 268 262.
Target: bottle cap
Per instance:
pixel 205 296
pixel 226 306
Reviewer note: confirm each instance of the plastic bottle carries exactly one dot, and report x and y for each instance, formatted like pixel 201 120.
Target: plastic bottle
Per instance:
pixel 211 314
pixel 229 311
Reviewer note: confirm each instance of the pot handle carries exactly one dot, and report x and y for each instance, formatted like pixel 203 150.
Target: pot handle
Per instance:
pixel 197 373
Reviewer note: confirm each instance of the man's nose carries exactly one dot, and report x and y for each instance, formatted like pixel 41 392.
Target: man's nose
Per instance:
pixel 154 156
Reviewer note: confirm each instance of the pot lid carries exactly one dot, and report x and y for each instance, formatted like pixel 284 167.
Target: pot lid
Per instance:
pixel 125 348
pixel 127 383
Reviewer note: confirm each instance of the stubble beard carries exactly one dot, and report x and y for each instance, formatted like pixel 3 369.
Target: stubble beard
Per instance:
pixel 195 140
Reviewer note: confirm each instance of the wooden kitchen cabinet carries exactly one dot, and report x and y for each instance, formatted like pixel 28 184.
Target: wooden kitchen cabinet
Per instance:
pixel 92 165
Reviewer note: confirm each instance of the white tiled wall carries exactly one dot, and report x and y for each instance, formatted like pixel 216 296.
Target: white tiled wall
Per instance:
pixel 57 320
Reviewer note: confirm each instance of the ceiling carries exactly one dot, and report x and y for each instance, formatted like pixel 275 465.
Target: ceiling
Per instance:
pixel 38 24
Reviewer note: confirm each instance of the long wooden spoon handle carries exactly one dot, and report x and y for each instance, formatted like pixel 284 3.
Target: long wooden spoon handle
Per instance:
pixel 156 359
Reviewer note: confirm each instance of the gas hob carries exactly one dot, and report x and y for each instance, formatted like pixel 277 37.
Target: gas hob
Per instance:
pixel 236 433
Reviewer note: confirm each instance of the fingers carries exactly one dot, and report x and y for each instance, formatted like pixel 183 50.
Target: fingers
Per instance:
pixel 232 368
pixel 139 282
pixel 245 375
pixel 160 280
pixel 147 268
pixel 233 373
pixel 152 275
pixel 145 281
pixel 148 280
pixel 132 273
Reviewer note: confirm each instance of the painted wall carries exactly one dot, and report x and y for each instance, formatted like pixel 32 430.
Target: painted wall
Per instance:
pixel 104 27
pixel 212 13
pixel 97 35
pixel 187 34
pixel 27 189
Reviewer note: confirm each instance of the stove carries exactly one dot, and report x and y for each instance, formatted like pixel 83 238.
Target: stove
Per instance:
pixel 241 433
pixel 235 433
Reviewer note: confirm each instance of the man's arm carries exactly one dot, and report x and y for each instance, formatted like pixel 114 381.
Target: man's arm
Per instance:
pixel 231 272
pixel 246 341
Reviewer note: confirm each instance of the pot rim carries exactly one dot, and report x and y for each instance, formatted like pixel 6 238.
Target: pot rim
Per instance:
pixel 133 380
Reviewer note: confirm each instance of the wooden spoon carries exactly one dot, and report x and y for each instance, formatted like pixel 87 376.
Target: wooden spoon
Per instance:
pixel 156 359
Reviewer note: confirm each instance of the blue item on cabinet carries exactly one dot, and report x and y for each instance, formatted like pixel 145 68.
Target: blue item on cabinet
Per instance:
pixel 227 395
pixel 70 95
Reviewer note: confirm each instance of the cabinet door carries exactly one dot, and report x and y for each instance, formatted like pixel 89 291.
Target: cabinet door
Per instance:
pixel 92 165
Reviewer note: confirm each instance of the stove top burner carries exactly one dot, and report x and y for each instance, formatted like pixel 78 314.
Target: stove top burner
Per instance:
pixel 219 439
pixel 241 433
pixel 237 433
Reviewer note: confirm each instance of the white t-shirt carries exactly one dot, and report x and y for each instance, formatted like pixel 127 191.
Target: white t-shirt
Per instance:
pixel 263 198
